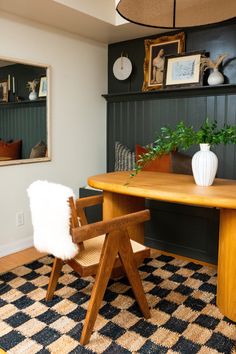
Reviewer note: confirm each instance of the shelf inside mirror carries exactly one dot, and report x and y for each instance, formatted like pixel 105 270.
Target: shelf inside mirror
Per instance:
pixel 25 102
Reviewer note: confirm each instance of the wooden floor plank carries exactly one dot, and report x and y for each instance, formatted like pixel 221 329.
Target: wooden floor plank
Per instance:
pixel 19 258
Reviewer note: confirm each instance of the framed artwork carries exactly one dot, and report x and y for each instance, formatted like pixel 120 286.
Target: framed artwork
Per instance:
pixel 43 87
pixel 183 70
pixel 154 63
pixel 4 91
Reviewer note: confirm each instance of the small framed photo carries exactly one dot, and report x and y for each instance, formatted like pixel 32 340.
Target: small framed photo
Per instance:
pixel 154 63
pixel 183 70
pixel 4 91
pixel 43 87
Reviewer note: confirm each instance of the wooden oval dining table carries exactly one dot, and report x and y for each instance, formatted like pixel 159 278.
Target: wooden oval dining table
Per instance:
pixel 124 194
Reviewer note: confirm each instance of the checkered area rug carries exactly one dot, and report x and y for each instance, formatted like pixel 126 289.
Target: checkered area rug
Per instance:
pixel 181 294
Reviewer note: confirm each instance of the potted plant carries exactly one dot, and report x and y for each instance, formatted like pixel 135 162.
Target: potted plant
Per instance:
pixel 204 162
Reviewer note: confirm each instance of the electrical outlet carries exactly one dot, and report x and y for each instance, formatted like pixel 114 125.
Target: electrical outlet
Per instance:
pixel 20 218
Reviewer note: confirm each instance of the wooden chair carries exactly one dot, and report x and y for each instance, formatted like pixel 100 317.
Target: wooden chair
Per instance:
pixel 105 249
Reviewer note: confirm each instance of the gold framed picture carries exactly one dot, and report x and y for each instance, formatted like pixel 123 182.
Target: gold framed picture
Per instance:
pixel 154 63
pixel 4 91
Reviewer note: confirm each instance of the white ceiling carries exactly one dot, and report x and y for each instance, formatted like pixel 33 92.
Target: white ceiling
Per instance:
pixel 94 19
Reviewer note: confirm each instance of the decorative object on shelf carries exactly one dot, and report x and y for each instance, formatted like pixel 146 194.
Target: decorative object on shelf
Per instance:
pixel 181 138
pixel 183 70
pixel 43 87
pixel 122 67
pixel 9 82
pixel 19 99
pixel 13 85
pixel 216 77
pixel 33 96
pixel 176 14
pixel 32 87
pixel 204 166
pixel 4 91
pixel 154 62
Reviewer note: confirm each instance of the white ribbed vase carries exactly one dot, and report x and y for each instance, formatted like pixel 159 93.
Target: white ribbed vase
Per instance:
pixel 204 166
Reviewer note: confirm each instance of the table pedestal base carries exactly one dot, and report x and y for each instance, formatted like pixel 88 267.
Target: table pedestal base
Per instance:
pixel 226 287
pixel 115 204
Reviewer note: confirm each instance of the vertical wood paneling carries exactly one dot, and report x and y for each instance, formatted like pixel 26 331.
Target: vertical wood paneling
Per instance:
pixel 26 122
pixel 138 122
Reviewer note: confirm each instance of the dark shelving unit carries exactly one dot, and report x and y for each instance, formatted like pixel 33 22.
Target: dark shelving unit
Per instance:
pixel 25 102
pixel 172 93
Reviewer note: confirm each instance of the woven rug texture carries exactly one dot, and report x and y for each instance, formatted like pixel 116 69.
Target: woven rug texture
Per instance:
pixel 181 295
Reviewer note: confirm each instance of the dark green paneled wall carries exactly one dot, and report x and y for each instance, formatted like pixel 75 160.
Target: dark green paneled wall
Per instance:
pixel 24 121
pixel 135 119
pixel 136 122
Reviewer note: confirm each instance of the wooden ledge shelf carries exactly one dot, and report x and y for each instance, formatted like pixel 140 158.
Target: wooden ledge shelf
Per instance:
pixel 172 93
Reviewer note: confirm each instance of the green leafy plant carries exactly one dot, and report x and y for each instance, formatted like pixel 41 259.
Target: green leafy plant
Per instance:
pixel 182 137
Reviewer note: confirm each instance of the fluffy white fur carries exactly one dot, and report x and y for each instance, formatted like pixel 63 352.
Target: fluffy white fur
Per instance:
pixel 50 213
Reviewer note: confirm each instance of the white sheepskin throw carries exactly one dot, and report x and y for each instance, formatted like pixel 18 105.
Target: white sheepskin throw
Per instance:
pixel 50 213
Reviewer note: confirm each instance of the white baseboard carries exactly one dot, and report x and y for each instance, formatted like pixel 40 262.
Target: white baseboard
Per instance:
pixel 16 246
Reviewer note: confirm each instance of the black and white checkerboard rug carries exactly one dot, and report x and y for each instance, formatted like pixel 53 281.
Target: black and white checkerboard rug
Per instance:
pixel 184 317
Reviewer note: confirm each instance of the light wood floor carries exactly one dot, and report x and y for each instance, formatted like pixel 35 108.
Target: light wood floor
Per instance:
pixel 30 254
pixel 19 258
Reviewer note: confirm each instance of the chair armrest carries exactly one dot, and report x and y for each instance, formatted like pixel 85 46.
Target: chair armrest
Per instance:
pixel 89 201
pixel 80 234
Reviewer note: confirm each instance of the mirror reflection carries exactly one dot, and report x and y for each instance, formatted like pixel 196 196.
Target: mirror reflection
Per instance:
pixel 23 112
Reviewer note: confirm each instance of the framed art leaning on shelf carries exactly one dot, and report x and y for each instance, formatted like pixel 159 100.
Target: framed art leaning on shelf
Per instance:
pixel 4 91
pixel 183 70
pixel 43 87
pixel 156 51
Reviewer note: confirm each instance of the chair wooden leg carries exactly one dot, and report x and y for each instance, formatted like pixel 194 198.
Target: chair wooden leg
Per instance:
pixel 108 255
pixel 128 261
pixel 56 271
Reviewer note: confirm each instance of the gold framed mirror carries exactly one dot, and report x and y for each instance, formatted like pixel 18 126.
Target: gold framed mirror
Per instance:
pixel 24 112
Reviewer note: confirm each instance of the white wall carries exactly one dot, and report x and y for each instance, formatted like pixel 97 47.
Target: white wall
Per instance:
pixel 102 9
pixel 78 119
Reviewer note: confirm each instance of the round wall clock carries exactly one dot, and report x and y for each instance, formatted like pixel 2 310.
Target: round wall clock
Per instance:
pixel 122 68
